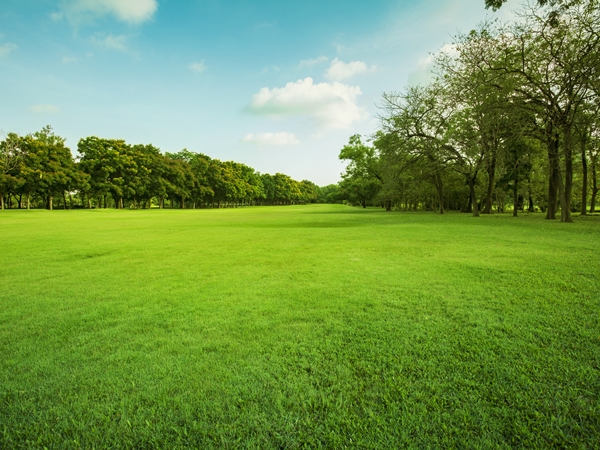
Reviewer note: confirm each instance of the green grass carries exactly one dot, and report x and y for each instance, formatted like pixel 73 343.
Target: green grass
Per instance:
pixel 298 327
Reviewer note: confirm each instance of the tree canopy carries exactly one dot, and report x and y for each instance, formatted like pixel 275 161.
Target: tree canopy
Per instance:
pixel 513 107
pixel 39 168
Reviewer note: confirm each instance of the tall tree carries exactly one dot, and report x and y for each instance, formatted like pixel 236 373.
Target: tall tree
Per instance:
pixel 11 161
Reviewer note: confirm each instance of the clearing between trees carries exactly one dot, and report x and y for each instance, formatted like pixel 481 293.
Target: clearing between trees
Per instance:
pixel 298 326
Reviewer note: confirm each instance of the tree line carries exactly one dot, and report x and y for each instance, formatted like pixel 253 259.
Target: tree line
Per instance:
pixel 39 171
pixel 511 118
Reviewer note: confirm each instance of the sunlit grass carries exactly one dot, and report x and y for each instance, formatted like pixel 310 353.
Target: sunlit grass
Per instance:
pixel 307 326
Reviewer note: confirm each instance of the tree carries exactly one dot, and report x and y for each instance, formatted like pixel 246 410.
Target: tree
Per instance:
pixel 11 161
pixel 553 64
pixel 362 179
pixel 50 167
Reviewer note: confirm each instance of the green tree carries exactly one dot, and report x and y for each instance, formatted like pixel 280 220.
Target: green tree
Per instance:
pixel 11 161
pixel 50 166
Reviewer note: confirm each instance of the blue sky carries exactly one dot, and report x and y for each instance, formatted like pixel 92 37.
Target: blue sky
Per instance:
pixel 278 85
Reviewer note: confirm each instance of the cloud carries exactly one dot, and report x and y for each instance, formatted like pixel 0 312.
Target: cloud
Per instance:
pixel 312 62
pixel 281 138
pixel 130 11
pixel 271 68
pixel 423 74
pixel 44 109
pixel 5 49
pixel 56 16
pixel 68 59
pixel 111 41
pixel 198 67
pixel 258 26
pixel 332 105
pixel 339 70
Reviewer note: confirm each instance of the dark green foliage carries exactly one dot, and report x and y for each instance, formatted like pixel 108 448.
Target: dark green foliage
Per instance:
pixel 112 172
pixel 512 107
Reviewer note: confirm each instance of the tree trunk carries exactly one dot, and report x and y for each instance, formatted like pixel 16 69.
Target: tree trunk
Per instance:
pixel 566 189
pixel 50 202
pixel 594 186
pixel 182 202
pixel 491 170
pixel 1 200
pixel 516 194
pixel 585 175
pixel 554 177
pixel 28 199
pixel 440 191
pixel 65 200
pixel 473 196
pixel 20 202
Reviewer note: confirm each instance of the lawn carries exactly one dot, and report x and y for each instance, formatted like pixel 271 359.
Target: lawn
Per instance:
pixel 318 326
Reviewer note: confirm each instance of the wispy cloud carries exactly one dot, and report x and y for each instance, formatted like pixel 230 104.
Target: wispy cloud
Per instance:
pixel 56 16
pixel 44 109
pixel 111 41
pixel 68 59
pixel 312 62
pixel 198 67
pixel 339 70
pixel 130 11
pixel 274 139
pixel 261 25
pixel 332 105
pixel 271 68
pixel 423 74
pixel 5 49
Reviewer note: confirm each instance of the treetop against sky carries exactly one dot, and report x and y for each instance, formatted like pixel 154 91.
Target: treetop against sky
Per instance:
pixel 276 85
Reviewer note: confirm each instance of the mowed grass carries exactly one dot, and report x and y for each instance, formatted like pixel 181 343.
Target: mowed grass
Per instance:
pixel 318 326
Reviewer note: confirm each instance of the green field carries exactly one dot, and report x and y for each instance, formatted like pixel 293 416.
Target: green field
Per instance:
pixel 298 327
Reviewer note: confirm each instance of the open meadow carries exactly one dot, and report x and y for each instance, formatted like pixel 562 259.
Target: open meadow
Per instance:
pixel 318 326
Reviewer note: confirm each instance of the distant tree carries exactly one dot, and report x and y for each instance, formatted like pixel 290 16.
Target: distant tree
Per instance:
pixel 329 194
pixel 362 179
pixel 309 191
pixel 11 161
pixel 51 170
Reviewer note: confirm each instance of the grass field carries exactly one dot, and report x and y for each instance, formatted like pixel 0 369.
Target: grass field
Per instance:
pixel 298 327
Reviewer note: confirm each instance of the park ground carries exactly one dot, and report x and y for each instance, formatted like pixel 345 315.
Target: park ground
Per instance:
pixel 317 326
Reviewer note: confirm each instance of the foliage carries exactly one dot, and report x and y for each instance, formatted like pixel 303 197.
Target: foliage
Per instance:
pixel 111 171
pixel 509 102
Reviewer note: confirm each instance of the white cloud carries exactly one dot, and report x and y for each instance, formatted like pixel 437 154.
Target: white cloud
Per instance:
pixel 131 11
pixel 312 62
pixel 111 41
pixel 271 68
pixel 198 67
pixel 281 138
pixel 68 59
pixel 332 105
pixel 423 74
pixel 44 109
pixel 5 49
pixel 56 16
pixel 449 49
pixel 339 70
